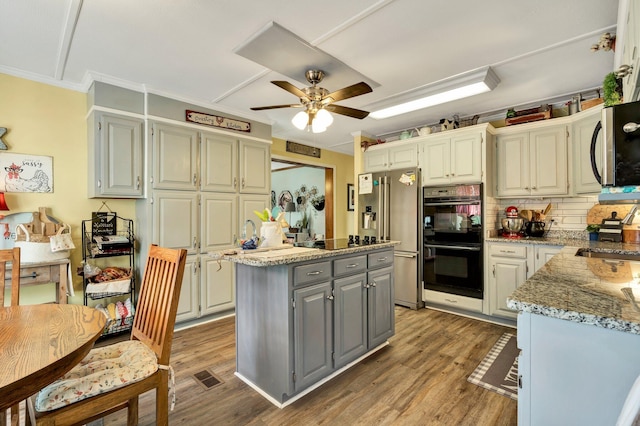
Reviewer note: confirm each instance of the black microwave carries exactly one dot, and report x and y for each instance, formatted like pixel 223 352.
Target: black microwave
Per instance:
pixel 620 125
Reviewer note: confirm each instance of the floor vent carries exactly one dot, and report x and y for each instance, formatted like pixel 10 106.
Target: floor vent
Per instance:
pixel 207 379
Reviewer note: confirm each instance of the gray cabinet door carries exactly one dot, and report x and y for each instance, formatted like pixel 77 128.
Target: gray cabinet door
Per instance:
pixel 175 157
pixel 218 163
pixel 381 306
pixel 117 166
pixel 350 306
pixel 313 332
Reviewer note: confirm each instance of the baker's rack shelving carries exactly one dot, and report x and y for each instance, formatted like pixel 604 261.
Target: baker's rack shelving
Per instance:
pixel 108 243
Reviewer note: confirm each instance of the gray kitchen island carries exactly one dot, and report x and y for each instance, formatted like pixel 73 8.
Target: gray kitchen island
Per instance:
pixel 304 315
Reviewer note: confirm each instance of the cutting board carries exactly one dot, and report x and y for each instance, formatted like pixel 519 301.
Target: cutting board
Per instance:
pixel 603 211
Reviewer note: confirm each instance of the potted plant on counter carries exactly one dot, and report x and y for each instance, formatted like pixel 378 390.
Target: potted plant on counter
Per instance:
pixel 593 232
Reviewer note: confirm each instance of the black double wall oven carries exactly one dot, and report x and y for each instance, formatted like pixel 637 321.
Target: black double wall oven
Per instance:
pixel 453 233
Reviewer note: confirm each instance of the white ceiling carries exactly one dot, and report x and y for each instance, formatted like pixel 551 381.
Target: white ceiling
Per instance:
pixel 185 49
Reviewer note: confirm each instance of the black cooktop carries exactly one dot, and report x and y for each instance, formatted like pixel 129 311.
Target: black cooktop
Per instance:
pixel 333 244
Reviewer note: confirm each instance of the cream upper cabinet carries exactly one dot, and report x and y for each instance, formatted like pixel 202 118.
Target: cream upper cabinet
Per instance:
pixel 453 159
pixel 175 157
pixel 382 157
pixel 584 181
pixel 532 163
pixel 115 155
pixel 255 167
pixel 630 51
pixel 219 163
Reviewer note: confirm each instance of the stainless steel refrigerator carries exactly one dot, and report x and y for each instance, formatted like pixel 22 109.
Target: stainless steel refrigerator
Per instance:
pixel 390 208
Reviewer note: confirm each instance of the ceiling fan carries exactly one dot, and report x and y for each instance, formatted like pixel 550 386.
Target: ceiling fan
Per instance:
pixel 317 101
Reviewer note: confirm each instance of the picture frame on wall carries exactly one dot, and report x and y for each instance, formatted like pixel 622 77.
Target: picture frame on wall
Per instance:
pixel 351 197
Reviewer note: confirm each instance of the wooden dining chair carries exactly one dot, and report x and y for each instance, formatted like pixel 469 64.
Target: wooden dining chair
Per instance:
pixel 112 377
pixel 10 256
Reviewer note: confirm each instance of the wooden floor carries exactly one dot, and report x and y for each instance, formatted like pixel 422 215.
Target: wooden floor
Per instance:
pixel 419 379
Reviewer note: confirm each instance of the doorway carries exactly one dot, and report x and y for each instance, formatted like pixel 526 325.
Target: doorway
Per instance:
pixel 310 188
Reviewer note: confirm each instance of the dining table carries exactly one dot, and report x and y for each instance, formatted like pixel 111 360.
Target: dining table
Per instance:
pixel 40 343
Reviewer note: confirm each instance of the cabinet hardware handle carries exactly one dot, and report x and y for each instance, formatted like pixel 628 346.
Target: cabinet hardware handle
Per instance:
pixel 243 182
pixel 314 273
pixel 194 178
pixel 330 297
pixel 507 251
pixel 137 182
pixel 195 267
pixel 31 275
pixel 534 188
pixel 373 284
pixel 382 259
pixel 366 285
pixel 494 270
pixel 453 174
pixel 235 182
pixel 520 381
pixel 451 300
pixel 194 242
pixel 353 265
pixel 526 188
pixel 446 175
pixel 99 183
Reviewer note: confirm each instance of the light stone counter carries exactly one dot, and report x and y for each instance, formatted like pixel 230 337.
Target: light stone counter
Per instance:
pixel 289 254
pixel 585 290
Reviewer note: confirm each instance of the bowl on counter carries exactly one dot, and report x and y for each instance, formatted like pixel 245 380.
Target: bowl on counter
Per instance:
pixel 512 225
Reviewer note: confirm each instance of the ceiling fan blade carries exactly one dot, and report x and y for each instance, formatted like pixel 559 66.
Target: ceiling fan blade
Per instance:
pixel 277 106
pixel 347 92
pixel 350 112
pixel 290 88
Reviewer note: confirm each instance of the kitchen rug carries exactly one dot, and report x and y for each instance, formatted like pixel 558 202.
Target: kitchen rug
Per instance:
pixel 498 371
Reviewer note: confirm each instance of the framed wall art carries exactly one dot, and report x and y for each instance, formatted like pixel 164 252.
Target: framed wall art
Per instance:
pixel 26 173
pixel 351 197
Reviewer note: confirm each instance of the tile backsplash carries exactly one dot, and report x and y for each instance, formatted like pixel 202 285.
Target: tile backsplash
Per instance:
pixel 569 214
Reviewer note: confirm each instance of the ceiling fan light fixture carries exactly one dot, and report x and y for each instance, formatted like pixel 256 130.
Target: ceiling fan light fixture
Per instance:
pixel 300 120
pixel 323 118
pixel 450 89
pixel 317 127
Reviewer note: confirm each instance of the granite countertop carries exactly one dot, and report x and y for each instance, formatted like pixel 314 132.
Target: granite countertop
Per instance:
pixel 569 242
pixel 595 291
pixel 288 254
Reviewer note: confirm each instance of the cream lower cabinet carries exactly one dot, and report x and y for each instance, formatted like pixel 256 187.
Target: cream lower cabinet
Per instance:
pixel 510 265
pixel 452 159
pixel 508 268
pixel 532 163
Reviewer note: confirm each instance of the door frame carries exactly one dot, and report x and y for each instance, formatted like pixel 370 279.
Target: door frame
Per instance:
pixel 329 189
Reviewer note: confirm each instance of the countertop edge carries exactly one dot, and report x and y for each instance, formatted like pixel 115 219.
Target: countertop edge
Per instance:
pixel 245 258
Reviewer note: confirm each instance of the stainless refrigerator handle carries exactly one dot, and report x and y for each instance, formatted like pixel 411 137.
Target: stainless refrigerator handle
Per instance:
pixel 410 256
pixel 387 208
pixel 455 203
pixel 380 227
pixel 452 247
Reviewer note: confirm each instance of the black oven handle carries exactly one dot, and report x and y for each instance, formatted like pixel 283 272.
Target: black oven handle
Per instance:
pixel 453 203
pixel 437 246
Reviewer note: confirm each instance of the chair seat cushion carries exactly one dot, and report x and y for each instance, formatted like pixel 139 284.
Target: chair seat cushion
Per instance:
pixel 102 370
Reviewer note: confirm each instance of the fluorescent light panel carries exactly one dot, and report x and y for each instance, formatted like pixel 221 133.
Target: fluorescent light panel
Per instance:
pixel 457 87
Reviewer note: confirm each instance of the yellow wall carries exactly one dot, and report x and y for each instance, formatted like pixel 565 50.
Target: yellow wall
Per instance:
pixel 47 120
pixel 343 166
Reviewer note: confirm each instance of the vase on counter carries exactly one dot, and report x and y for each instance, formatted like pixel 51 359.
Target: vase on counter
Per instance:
pixel 593 236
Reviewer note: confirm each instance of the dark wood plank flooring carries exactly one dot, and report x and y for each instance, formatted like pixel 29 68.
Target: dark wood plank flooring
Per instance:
pixel 419 379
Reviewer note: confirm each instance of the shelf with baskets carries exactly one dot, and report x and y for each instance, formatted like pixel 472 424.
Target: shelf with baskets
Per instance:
pixel 108 271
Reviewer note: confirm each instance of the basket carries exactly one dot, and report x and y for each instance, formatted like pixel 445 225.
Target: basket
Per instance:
pixel 36 247
pixel 100 289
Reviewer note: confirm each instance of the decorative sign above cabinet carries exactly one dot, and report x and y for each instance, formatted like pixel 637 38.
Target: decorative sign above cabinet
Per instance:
pixel 217 121
pixel 298 148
